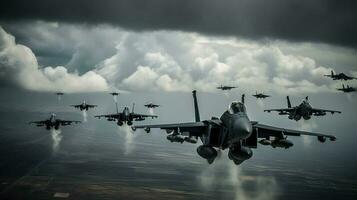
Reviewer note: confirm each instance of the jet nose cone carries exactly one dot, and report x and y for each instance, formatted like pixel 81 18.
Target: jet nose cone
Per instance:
pixel 241 128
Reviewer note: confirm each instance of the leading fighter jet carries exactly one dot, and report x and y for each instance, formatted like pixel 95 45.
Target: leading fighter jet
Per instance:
pixel 125 116
pixel 84 106
pixel 260 95
pixel 224 87
pixel 233 130
pixel 304 110
pixel 347 89
pixel 340 76
pixel 52 122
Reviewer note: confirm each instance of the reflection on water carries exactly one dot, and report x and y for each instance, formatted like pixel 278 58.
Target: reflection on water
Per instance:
pixel 226 176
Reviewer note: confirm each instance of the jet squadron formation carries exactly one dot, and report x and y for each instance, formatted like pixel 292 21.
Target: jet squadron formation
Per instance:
pixel 343 77
pixel 233 130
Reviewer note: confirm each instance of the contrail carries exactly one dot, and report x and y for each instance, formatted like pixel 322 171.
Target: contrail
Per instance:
pixel 115 98
pixel 56 138
pixel 59 98
pixel 84 113
pixel 151 111
pixel 261 103
pixel 129 138
pixel 306 126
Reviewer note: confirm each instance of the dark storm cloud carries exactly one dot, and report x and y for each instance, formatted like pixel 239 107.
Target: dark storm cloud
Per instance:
pixel 328 21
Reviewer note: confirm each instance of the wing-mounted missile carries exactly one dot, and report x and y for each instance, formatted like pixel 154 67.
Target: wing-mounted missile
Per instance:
pixel 320 114
pixel 175 138
pixel 282 143
pixel 147 130
pixel 265 142
pixel 191 139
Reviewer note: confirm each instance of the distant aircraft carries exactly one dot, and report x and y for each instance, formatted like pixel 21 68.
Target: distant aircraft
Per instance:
pixel 340 76
pixel 151 105
pixel 84 106
pixel 224 87
pixel 52 122
pixel 347 89
pixel 114 93
pixel 260 95
pixel 233 130
pixel 59 93
pixel 125 116
pixel 304 110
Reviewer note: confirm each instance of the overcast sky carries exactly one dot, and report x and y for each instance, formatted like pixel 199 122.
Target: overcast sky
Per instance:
pixel 160 50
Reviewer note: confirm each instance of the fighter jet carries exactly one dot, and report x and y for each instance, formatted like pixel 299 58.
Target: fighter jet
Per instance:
pixel 260 95
pixel 125 116
pixel 347 89
pixel 233 131
pixel 114 93
pixel 151 105
pixel 304 110
pixel 84 106
pixel 340 76
pixel 59 93
pixel 224 87
pixel 52 122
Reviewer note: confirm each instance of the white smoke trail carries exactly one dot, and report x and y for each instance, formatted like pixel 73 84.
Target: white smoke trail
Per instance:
pixel 129 138
pixel 349 97
pixel 151 111
pixel 227 94
pixel 306 126
pixel 224 174
pixel 115 98
pixel 56 138
pixel 85 116
pixel 59 98
pixel 261 103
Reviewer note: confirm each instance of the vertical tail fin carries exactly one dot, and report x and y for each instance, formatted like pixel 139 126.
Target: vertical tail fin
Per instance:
pixel 332 73
pixel 288 100
pixel 197 113
pixel 307 98
pixel 132 109
pixel 343 86
pixel 243 98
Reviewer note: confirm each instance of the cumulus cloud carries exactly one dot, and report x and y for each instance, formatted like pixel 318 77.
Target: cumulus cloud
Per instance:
pixel 177 61
pixel 19 67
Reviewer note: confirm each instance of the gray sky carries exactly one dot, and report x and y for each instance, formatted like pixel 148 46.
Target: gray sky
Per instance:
pixel 161 50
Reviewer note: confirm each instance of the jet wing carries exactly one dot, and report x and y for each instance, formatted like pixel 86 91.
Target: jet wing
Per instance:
pixel 113 116
pixel 192 128
pixel 265 131
pixel 135 115
pixel 317 111
pixel 38 122
pixel 76 106
pixel 284 111
pixel 91 106
pixel 68 122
